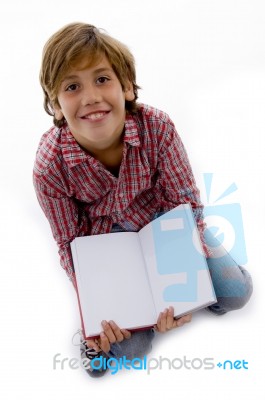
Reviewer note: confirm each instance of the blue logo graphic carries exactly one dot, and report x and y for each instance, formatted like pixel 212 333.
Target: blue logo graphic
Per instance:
pixel 225 223
pixel 173 235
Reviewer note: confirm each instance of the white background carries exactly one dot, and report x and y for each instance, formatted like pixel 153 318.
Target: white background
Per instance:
pixel 203 63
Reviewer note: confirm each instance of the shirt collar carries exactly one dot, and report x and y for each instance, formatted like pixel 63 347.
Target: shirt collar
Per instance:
pixel 73 154
pixel 131 135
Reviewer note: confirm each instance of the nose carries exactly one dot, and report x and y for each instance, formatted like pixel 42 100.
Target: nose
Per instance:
pixel 90 95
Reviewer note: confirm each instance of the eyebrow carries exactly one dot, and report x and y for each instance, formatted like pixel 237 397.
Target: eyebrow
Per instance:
pixel 96 71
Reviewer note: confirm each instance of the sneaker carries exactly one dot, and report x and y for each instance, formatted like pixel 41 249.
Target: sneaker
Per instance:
pixel 88 354
pixel 216 310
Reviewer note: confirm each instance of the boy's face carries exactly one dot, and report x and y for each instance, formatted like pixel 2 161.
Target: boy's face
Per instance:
pixel 93 103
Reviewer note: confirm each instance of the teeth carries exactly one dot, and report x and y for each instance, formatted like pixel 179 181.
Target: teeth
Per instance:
pixel 95 116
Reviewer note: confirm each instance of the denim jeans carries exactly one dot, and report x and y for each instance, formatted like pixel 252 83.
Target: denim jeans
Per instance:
pixel 233 288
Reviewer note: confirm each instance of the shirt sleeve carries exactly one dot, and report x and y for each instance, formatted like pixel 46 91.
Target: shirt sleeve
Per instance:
pixel 67 221
pixel 176 180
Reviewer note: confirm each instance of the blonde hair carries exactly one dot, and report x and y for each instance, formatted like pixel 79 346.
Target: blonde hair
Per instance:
pixel 79 41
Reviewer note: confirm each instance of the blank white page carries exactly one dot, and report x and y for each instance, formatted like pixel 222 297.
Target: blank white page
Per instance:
pixel 112 281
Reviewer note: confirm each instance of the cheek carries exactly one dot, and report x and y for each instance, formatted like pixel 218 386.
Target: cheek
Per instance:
pixel 120 101
pixel 67 108
pixel 116 96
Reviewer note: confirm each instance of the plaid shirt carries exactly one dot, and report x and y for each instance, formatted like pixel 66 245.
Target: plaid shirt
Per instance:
pixel 79 196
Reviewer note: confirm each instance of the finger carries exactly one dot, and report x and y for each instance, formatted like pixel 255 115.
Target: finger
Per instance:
pixel 158 324
pixel 104 342
pixel 175 323
pixel 170 318
pixel 117 332
pixel 188 317
pixel 108 332
pixel 126 334
pixel 183 320
pixel 163 321
pixel 92 344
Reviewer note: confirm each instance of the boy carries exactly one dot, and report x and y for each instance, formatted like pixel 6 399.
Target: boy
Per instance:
pixel 110 164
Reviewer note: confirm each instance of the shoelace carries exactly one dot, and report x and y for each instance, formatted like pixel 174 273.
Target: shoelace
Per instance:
pixel 88 351
pixel 81 338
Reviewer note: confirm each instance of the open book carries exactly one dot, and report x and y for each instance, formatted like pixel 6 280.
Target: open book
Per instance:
pixel 130 277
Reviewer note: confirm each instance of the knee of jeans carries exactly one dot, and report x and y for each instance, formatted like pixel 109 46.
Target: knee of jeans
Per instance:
pixel 237 301
pixel 248 288
pixel 234 296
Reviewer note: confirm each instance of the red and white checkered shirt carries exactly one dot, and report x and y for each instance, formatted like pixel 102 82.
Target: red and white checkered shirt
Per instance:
pixel 79 196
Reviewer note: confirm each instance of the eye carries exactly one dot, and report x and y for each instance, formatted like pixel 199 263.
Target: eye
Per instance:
pixel 72 87
pixel 102 79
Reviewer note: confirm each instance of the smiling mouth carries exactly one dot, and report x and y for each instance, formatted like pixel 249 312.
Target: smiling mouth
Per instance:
pixel 95 116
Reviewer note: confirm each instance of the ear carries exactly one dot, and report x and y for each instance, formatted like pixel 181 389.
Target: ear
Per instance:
pixel 129 93
pixel 57 112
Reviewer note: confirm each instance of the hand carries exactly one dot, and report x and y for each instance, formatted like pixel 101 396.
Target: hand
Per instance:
pixel 111 334
pixel 167 322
